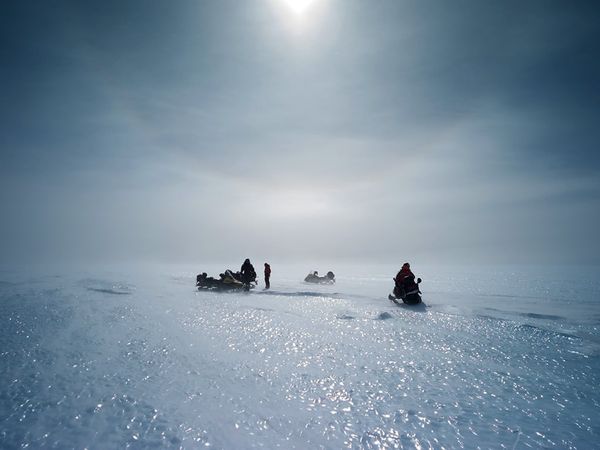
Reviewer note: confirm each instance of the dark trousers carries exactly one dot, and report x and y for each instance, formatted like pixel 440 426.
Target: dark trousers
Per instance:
pixel 267 283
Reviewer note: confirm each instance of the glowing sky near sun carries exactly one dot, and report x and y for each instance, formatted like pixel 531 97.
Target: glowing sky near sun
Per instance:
pixel 299 6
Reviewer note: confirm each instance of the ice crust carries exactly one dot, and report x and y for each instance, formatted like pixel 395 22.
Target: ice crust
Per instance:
pixel 502 358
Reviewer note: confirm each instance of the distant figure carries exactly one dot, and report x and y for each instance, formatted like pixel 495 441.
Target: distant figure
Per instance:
pixel 267 276
pixel 405 281
pixel 248 272
pixel 315 278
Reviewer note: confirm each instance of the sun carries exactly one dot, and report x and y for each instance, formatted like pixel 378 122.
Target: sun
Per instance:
pixel 299 6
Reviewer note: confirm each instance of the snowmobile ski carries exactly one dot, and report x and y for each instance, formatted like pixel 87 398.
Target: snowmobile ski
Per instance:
pixel 393 299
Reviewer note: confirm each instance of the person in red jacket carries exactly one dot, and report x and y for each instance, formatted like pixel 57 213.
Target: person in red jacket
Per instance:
pixel 405 281
pixel 267 276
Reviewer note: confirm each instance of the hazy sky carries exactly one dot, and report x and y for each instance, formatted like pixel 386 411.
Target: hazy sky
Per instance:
pixel 384 130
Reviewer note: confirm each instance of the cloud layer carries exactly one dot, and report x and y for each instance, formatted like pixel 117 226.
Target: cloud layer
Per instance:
pixel 214 130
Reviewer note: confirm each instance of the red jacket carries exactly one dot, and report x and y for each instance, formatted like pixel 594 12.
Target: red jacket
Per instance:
pixel 404 276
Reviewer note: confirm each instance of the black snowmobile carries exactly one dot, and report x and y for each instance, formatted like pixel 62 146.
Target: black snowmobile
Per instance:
pixel 409 293
pixel 315 278
pixel 227 281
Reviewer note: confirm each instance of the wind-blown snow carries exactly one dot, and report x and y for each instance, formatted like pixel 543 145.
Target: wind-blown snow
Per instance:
pixel 502 358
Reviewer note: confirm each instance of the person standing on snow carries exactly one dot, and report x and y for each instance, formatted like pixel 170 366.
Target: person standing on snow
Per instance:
pixel 247 271
pixel 267 276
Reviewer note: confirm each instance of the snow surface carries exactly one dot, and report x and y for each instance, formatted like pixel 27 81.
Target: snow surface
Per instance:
pixel 123 358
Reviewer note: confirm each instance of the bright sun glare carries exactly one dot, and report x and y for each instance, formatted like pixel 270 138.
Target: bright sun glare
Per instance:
pixel 299 6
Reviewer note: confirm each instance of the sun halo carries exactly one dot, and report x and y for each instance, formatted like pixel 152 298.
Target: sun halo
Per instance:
pixel 299 6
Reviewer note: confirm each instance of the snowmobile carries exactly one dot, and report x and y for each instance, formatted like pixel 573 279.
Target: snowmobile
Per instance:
pixel 409 294
pixel 227 282
pixel 315 278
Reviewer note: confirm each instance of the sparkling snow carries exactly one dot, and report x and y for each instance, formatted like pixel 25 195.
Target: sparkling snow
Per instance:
pixel 496 358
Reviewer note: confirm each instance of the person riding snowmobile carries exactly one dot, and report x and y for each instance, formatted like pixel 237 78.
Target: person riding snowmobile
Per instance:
pixel 405 281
